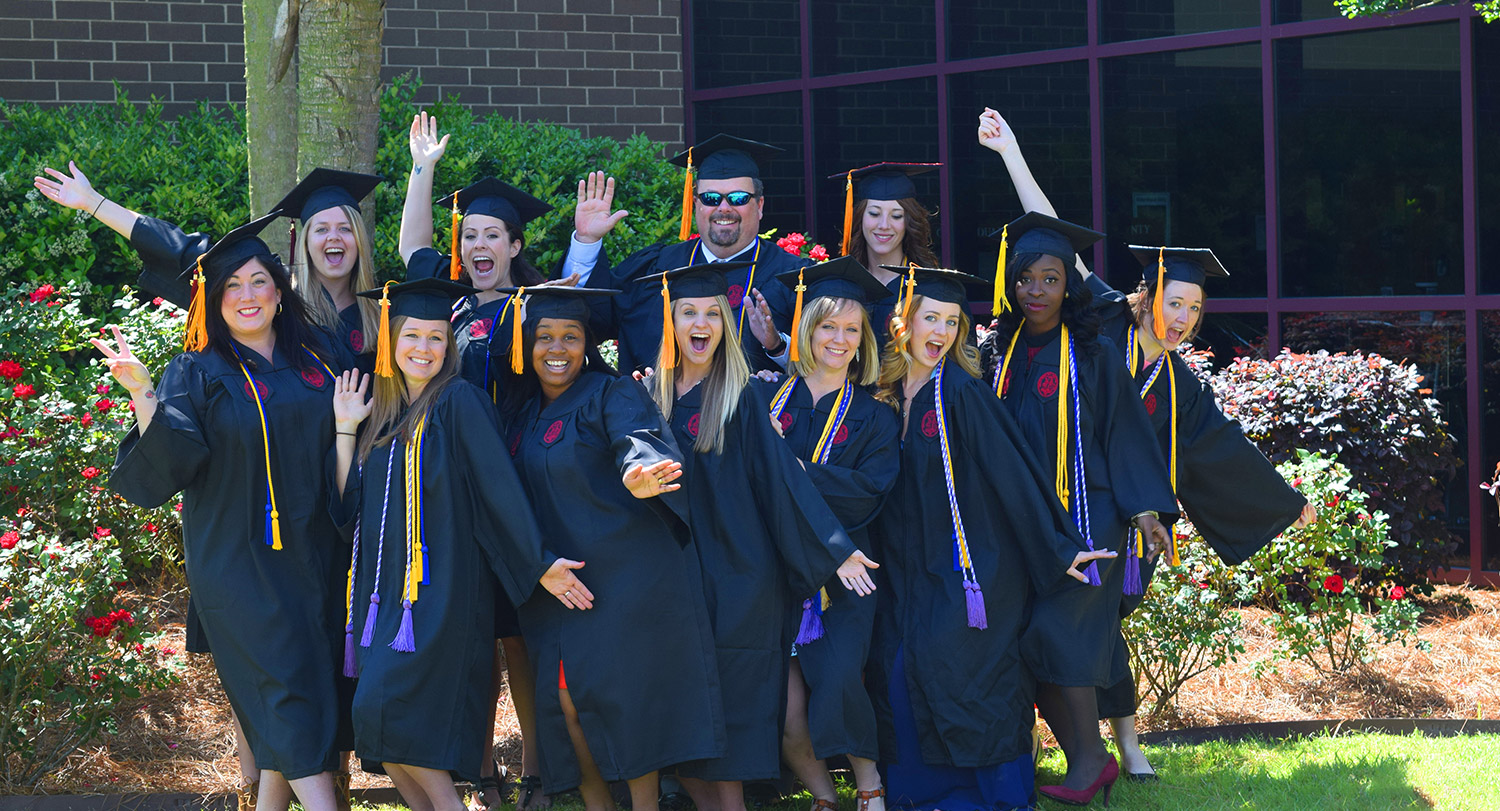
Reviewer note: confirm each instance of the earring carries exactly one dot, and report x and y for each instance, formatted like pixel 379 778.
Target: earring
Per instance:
pixel 278 308
pixel 856 354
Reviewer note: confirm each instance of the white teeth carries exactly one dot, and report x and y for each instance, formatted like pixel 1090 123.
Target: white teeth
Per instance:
pixel 557 364
pixel 419 361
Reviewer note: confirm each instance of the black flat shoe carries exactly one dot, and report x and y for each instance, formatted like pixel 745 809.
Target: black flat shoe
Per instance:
pixel 1142 777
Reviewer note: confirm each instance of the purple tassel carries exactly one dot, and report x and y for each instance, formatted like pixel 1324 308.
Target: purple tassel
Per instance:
pixel 811 629
pixel 350 669
pixel 405 641
pixel 974 603
pixel 1132 573
pixel 369 633
pixel 1092 573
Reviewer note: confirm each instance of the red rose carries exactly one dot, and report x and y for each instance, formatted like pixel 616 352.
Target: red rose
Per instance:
pixel 788 247
pixel 90 472
pixel 41 293
pixel 104 404
pixel 121 617
pixel 101 532
pixel 86 420
pixel 1397 592
pixel 157 301
pixel 23 391
pixel 10 369
pixel 1297 482
pixel 23 512
pixel 150 528
pixel 102 388
pixel 10 539
pixel 819 253
pixel 1334 583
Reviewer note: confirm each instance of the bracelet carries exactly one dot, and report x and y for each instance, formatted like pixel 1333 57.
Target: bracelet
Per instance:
pixel 1135 519
pixel 98 206
pixel 343 433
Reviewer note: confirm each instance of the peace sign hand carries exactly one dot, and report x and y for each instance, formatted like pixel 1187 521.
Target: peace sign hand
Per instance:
pixel 123 364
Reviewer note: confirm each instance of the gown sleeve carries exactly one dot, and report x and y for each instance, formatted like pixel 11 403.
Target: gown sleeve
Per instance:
pixel 1017 482
pixel 1230 490
pixel 1137 472
pixel 641 437
pixel 164 250
pixel 807 534
pixel 856 491
pixel 427 263
pixel 504 525
pixel 152 467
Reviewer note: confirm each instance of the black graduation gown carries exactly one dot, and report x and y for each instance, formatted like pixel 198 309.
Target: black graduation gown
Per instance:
pixel 861 469
pixel 971 691
pixel 272 617
pixel 1074 634
pixel 763 537
pixel 430 708
pixel 351 334
pixel 880 312
pixel 639 664
pixel 635 320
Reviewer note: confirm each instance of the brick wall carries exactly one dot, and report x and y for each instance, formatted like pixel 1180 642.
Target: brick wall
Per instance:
pixel 607 67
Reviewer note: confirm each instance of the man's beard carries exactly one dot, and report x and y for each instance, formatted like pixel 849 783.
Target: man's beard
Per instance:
pixel 725 236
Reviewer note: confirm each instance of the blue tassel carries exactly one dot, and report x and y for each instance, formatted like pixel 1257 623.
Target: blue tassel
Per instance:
pixel 350 668
pixel 811 629
pixel 270 535
pixel 1092 573
pixel 974 605
pixel 1132 572
pixel 405 641
pixel 426 570
pixel 369 634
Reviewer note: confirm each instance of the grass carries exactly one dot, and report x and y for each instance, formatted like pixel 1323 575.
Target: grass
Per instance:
pixel 1361 772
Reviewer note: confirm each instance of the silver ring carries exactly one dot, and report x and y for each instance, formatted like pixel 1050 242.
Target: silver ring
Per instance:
pixel 567 594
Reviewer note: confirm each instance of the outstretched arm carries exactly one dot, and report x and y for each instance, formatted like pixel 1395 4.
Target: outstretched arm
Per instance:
pixel 997 135
pixel 74 191
pixel 416 214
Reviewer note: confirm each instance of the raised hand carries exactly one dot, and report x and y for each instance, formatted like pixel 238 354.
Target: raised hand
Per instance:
pixel 592 218
pixel 570 280
pixel 994 132
pixel 426 147
pixel 560 582
pixel 1308 515
pixel 73 191
pixel 351 405
pixel 762 325
pixel 855 574
pixel 646 482
pixel 123 364
pixel 1081 562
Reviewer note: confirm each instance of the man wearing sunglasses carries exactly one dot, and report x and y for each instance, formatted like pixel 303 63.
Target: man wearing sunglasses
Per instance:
pixel 727 206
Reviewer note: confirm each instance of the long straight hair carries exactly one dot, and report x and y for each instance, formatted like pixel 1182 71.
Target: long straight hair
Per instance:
pixel 897 360
pixel 728 374
pixel 864 368
pixel 387 421
pixel 362 277
pixel 293 331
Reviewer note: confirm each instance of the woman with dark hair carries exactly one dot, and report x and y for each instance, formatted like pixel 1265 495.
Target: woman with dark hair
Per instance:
pixel 235 426
pixel 455 515
pixel 762 535
pixel 1078 410
pixel 636 689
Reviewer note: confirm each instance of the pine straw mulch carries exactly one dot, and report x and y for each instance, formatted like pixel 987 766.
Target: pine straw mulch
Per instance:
pixel 182 739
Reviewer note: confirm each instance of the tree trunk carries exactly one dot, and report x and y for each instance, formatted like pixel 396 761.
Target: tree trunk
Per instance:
pixel 270 100
pixel 339 83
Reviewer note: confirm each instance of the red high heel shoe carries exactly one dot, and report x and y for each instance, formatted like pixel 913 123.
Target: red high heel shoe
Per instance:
pixel 1105 782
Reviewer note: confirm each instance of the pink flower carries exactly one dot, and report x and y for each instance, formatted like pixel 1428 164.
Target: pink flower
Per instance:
pixel 1334 583
pixel 157 301
pixel 818 253
pixel 10 369
pixel 90 472
pixel 101 533
pixel 1398 592
pixel 1297 482
pixel 23 391
pixel 102 388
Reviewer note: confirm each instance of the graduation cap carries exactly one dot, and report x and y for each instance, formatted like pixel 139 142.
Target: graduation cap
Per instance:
pixel 494 198
pixel 1191 265
pixel 200 270
pixel 843 277
pixel 325 188
pixel 552 301
pixel 719 158
pixel 692 281
pixel 1035 232
pixel 427 299
pixel 878 181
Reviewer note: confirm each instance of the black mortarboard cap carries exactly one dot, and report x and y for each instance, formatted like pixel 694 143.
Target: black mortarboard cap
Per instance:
pixel 725 156
pixel 885 181
pixel 497 198
pixel 697 281
pixel 1034 232
pixel 558 301
pixel 941 284
pixel 428 299
pixel 323 189
pixel 1191 265
pixel 843 277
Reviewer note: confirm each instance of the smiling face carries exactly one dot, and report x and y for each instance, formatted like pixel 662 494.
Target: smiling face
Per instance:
pixel 421 346
pixel 836 338
pixel 557 355
pixel 1039 292
pixel 934 328
pixel 728 227
pixel 486 249
pixel 699 326
pixel 1181 309
pixel 331 245
pixel 249 303
pixel 884 225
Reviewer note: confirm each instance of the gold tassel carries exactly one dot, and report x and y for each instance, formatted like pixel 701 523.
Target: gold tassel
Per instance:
pixel 824 599
pixel 1001 301
pixel 383 338
pixel 275 529
pixel 196 338
pixel 517 363
pixel 687 203
pixel 1158 322
pixel 668 334
pixel 848 212
pixel 797 318
pixel 455 265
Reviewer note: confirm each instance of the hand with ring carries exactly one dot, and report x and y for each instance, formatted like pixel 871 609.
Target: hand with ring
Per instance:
pixel 645 482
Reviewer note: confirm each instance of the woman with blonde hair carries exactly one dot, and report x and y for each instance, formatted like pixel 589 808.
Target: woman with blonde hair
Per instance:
pixel 762 535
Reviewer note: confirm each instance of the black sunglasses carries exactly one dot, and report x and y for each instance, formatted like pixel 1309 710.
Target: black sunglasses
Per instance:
pixel 712 199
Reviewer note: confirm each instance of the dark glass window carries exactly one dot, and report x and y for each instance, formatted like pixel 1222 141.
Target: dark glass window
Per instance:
pixel 1232 335
pixel 775 119
pixel 1143 19
pixel 856 35
pixel 1291 11
pixel 1048 107
pixel 1370 171
pixel 995 27
pixel 1434 342
pixel 746 41
pixel 1487 149
pixel 1184 161
pixel 869 123
pixel 1489 433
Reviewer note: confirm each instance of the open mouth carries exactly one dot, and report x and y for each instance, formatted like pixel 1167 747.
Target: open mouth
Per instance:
pixel 483 264
pixel 934 349
pixel 248 312
pixel 883 238
pixel 699 343
pixel 728 219
pixel 419 362
pixel 334 257
pixel 556 365
pixel 1175 336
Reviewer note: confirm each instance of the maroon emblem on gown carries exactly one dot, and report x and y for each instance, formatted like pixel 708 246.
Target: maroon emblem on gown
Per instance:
pixel 929 424
pixel 554 433
pixel 692 426
pixel 1046 385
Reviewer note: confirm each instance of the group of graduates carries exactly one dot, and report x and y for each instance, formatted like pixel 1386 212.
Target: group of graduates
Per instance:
pixel 812 512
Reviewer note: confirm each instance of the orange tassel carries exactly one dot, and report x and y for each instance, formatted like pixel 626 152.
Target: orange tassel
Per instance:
pixel 1158 322
pixel 902 311
pixel 668 334
pixel 1001 302
pixel 848 212
pixel 455 265
pixel 687 203
pixel 797 318
pixel 383 338
pixel 517 363
pixel 196 338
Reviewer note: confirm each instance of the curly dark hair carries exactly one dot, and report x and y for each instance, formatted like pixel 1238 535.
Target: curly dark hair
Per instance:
pixel 1078 311
pixel 916 244
pixel 518 389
